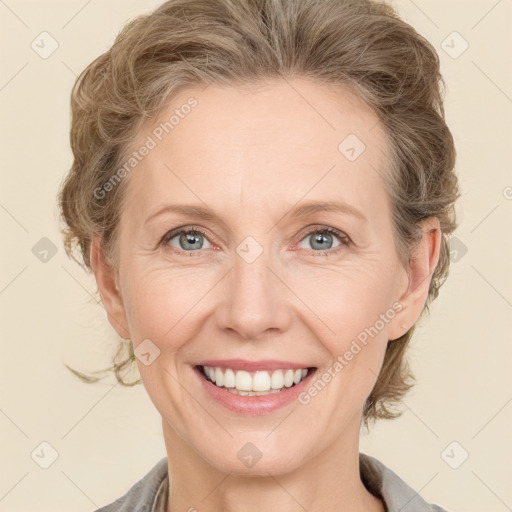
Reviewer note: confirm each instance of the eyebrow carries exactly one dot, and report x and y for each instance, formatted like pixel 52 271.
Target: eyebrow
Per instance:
pixel 302 210
pixel 328 206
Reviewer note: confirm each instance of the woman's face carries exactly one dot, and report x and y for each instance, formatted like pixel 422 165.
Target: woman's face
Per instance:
pixel 260 285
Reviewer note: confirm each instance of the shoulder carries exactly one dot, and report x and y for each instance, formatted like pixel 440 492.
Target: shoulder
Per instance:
pixel 395 492
pixel 142 495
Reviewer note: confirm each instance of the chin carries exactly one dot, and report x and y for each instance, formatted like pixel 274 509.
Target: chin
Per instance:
pixel 257 455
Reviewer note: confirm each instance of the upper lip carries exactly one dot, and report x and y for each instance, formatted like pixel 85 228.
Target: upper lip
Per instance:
pixel 262 364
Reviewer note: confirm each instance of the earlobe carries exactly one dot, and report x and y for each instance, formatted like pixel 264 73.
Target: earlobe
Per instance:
pixel 106 280
pixel 423 262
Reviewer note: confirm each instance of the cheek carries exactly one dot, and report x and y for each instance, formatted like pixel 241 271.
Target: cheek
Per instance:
pixel 161 301
pixel 342 302
pixel 352 309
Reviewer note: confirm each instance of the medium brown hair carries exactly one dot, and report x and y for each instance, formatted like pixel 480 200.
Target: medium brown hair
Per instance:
pixel 359 45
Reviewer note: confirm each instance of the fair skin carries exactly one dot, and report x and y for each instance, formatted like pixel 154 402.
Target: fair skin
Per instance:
pixel 252 156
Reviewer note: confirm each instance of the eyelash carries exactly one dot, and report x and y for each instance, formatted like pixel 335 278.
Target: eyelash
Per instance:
pixel 344 239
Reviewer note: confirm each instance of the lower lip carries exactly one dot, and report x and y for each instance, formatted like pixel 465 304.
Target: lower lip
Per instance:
pixel 254 405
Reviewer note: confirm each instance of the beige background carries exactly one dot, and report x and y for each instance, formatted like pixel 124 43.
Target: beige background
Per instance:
pixel 106 436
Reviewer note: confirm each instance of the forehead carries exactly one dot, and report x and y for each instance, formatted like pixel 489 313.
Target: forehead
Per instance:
pixel 252 149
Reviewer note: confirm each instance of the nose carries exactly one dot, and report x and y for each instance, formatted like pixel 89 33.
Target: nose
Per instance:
pixel 255 302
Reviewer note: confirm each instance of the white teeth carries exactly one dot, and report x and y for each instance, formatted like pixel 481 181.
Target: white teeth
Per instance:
pixel 219 377
pixel 243 380
pixel 261 382
pixel 277 380
pixel 229 378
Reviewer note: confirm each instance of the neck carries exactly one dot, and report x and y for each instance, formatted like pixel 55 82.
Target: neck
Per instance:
pixel 329 481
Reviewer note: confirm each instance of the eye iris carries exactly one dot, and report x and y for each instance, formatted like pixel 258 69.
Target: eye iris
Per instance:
pixel 320 238
pixel 190 238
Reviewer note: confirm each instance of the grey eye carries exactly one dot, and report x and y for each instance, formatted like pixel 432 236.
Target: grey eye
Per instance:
pixel 320 240
pixel 188 240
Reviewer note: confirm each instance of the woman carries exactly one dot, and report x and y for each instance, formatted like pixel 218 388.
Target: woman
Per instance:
pixel 264 190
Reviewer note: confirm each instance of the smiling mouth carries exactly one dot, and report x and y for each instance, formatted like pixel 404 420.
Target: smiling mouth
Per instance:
pixel 256 383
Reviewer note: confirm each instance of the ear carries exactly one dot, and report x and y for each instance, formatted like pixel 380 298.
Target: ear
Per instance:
pixel 423 262
pixel 106 279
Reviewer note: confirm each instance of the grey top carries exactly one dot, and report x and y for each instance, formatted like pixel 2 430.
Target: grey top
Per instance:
pixel 150 493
